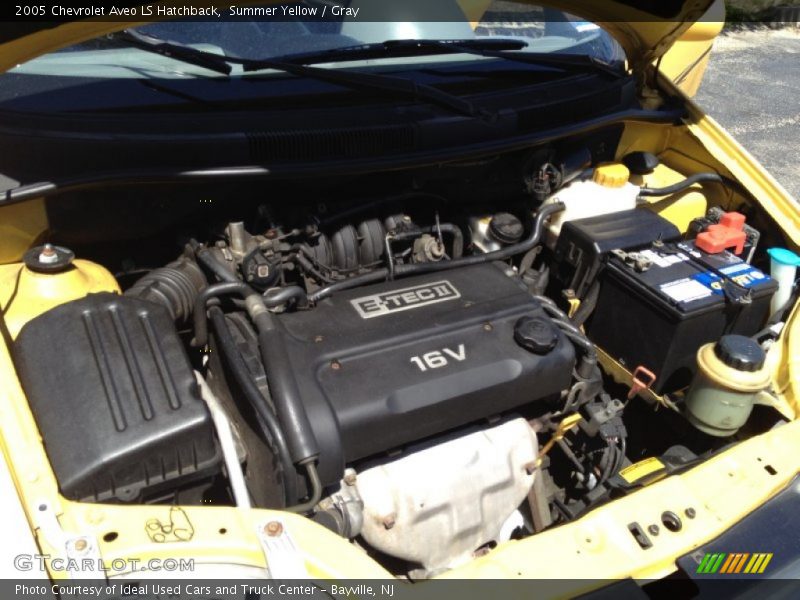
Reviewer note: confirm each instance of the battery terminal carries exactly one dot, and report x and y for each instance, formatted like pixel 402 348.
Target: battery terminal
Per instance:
pixel 636 260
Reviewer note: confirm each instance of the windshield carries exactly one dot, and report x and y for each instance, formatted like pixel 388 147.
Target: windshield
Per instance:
pixel 240 58
pixel 267 31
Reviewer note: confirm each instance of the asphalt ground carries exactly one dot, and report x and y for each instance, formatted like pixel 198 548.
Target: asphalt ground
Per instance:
pixel 752 88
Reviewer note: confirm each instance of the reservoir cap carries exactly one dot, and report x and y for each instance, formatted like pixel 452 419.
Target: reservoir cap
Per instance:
pixel 506 228
pixel 784 256
pixel 611 175
pixel 740 353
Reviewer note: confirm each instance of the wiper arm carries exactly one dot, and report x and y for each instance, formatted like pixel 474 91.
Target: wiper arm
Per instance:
pixel 185 54
pixel 401 48
pixel 351 79
pixel 486 47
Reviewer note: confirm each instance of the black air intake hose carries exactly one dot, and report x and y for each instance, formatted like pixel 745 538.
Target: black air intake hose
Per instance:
pixel 174 286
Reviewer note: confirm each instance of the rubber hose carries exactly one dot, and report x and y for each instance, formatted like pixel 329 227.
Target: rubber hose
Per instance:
pixel 588 305
pixel 238 288
pixel 210 262
pixel 302 443
pixel 688 182
pixel 241 289
pixel 174 286
pixel 234 361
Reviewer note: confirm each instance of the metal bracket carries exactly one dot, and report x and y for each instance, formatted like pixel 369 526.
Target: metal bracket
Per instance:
pixel 283 558
pixel 80 549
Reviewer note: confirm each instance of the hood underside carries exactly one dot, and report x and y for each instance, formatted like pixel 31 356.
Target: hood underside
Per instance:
pixel 645 28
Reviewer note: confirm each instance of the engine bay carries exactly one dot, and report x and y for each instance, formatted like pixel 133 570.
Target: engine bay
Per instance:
pixel 464 356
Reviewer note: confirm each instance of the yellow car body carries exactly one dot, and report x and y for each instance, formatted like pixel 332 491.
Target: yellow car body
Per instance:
pixel 596 547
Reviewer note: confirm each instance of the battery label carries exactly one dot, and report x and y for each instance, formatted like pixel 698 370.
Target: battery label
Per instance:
pixel 742 274
pixel 685 290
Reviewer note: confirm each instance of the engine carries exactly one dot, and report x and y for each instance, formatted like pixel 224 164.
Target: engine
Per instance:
pixel 424 377
pixel 386 365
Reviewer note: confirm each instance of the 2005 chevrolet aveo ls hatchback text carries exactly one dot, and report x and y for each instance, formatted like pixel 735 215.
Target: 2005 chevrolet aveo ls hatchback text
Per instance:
pixel 480 295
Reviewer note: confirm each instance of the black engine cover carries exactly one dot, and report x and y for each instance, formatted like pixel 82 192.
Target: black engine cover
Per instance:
pixel 381 366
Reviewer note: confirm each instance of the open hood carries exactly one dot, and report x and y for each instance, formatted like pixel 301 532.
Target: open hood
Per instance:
pixel 646 29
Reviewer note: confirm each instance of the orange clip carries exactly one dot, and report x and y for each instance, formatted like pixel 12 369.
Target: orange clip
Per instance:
pixel 639 382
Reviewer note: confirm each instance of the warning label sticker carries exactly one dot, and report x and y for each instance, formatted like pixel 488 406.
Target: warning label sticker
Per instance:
pixel 685 290
pixel 743 274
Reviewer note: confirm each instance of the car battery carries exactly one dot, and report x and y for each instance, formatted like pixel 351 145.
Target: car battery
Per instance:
pixel 659 304
pixel 583 244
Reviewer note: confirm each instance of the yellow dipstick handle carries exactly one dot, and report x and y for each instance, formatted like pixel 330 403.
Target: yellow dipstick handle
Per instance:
pixel 563 427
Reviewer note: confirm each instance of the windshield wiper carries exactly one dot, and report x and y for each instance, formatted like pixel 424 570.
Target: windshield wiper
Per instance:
pixel 352 79
pixel 402 49
pixel 486 47
pixel 185 54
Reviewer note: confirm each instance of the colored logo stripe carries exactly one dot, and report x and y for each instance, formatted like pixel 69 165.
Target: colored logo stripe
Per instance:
pixel 758 563
pixel 711 563
pixel 735 562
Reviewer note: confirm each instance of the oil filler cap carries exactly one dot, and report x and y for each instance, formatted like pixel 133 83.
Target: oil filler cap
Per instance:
pixel 536 334
pixel 740 353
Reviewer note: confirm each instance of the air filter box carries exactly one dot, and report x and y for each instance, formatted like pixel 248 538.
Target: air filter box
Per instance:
pixel 112 391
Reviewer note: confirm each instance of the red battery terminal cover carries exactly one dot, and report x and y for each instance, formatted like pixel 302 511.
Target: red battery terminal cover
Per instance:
pixel 728 233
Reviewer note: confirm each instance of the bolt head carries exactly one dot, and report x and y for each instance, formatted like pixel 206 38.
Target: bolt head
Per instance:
pixel 273 528
pixel 350 479
pixel 318 339
pixel 336 365
pixel 487 327
pixel 80 545
pixel 389 521
pixel 690 512
pixel 653 529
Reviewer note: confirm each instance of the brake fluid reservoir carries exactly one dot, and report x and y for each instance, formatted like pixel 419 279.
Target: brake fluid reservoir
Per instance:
pixel 49 276
pixel 608 191
pixel 730 376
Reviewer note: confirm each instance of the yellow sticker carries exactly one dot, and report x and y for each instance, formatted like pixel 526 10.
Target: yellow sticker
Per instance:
pixel 641 469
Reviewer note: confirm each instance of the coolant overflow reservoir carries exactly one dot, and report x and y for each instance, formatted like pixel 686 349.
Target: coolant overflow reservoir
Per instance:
pixel 609 191
pixel 730 376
